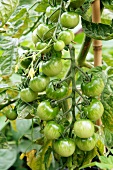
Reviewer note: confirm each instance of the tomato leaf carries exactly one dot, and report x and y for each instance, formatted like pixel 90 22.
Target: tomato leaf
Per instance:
pixel 8 58
pixel 97 31
pixel 107 101
pixel 108 138
pixel 41 7
pixel 7 7
pixel 108 4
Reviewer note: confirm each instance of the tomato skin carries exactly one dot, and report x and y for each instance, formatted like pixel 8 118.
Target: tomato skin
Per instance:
pixel 35 38
pixel 50 11
pixel 94 87
pixel 28 95
pixel 69 19
pixel 84 128
pixel 59 45
pixel 56 92
pixel 86 144
pixel 64 147
pixel 46 112
pixel 94 110
pixel 40 46
pixel 53 130
pixel 39 83
pixel 66 37
pixel 52 67
pixel 11 114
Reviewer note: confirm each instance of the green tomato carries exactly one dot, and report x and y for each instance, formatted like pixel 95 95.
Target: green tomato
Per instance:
pixel 94 110
pixel 53 130
pixel 46 112
pixel 59 45
pixel 74 4
pixel 52 13
pixel 56 90
pixel 94 87
pixel 41 46
pixel 39 83
pixel 84 128
pixel 52 67
pixel 11 114
pixel 69 19
pixel 28 95
pixel 35 38
pixel 66 37
pixel 86 144
pixel 64 147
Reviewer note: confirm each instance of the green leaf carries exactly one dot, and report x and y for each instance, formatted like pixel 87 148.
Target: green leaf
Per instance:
pixel 22 126
pixel 19 14
pixel 3 122
pixel 108 4
pixel 7 7
pixel 41 7
pixel 8 58
pixel 97 31
pixel 7 158
pixel 107 101
pixel 108 138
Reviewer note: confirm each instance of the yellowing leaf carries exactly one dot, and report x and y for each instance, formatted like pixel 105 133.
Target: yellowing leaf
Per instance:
pixel 13 124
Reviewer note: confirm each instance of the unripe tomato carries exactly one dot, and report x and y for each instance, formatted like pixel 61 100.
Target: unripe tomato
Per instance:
pixel 94 87
pixel 66 37
pixel 84 128
pixel 50 12
pixel 56 91
pixel 52 67
pixel 59 45
pixel 39 83
pixel 46 112
pixel 40 46
pixel 64 147
pixel 86 144
pixel 53 130
pixel 35 38
pixel 94 110
pixel 69 19
pixel 11 114
pixel 28 95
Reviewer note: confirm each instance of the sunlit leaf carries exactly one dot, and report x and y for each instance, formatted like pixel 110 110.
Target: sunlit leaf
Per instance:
pixel 7 7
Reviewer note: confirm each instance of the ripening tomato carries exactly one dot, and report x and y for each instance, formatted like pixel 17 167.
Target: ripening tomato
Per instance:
pixel 52 67
pixel 39 83
pixel 84 128
pixel 69 19
pixel 53 130
pixel 46 112
pixel 86 144
pixel 64 147
pixel 28 95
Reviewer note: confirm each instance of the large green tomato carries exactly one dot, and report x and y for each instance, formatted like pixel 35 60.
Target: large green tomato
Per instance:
pixel 94 87
pixel 86 144
pixel 39 83
pixel 59 45
pixel 69 19
pixel 46 112
pixel 28 95
pixel 64 147
pixel 53 130
pixel 84 128
pixel 11 114
pixel 56 90
pixel 40 46
pixel 94 110
pixel 66 37
pixel 52 13
pixel 52 67
pixel 76 3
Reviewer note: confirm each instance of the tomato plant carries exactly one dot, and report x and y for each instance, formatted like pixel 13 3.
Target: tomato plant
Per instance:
pixel 58 94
